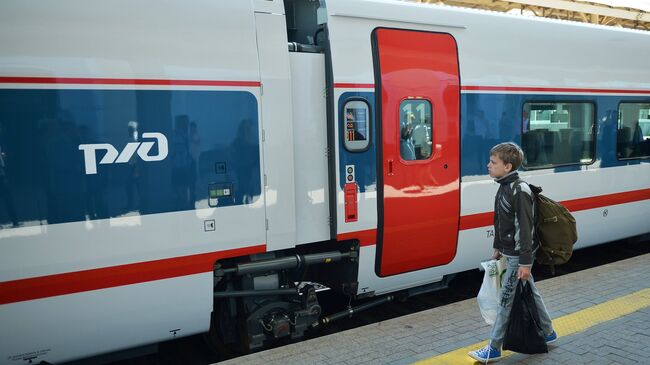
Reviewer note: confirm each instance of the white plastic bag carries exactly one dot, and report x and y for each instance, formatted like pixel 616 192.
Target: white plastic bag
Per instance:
pixel 488 296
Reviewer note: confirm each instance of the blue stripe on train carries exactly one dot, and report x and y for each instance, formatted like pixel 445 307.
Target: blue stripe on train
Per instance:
pixel 487 119
pixel 212 138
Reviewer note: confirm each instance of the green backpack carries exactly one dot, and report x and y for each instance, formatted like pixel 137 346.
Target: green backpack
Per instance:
pixel 555 230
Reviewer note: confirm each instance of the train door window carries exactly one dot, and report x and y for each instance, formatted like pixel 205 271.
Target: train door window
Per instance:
pixel 633 136
pixel 356 114
pixel 416 131
pixel 558 134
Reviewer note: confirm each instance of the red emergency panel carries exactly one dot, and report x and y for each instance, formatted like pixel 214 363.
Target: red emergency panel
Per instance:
pixel 350 191
pixel 419 200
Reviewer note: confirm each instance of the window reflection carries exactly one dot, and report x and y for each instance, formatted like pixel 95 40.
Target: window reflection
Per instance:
pixel 45 136
pixel 633 137
pixel 415 129
pixel 558 134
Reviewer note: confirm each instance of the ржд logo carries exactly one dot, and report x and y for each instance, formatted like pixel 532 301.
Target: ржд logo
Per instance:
pixel 111 155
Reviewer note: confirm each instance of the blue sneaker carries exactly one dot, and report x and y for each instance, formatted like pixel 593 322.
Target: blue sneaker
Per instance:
pixel 487 353
pixel 551 338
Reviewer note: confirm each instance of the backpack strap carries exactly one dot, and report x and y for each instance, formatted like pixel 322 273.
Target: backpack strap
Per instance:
pixel 534 190
pixel 516 184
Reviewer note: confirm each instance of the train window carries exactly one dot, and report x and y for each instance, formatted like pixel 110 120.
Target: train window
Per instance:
pixel 633 137
pixel 415 129
pixel 558 134
pixel 356 114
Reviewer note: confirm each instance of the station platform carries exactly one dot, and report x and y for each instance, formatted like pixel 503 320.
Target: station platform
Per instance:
pixel 601 315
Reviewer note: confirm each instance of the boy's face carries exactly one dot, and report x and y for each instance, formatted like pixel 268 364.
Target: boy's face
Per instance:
pixel 497 168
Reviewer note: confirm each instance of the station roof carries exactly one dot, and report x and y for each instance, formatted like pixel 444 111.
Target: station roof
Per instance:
pixel 633 14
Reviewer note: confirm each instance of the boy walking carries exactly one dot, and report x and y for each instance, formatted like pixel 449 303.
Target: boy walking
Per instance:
pixel 513 238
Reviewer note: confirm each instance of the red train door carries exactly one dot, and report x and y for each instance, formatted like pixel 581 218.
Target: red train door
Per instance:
pixel 419 200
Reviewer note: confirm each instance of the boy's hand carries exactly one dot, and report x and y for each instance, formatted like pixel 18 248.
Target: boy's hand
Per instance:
pixel 523 273
pixel 496 255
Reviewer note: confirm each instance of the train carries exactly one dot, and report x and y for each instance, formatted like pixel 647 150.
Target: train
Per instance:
pixel 176 168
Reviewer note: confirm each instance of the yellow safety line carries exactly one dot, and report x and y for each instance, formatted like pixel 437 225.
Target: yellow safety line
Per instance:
pixel 564 326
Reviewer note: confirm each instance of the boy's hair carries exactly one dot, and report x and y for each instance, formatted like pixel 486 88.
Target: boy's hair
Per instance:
pixel 509 153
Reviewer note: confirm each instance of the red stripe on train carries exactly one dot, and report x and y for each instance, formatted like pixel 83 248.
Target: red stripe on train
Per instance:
pixel 110 81
pixel 515 88
pixel 476 220
pixel 349 85
pixel 553 89
pixel 471 221
pixel 168 82
pixel 366 238
pixel 607 200
pixel 486 219
pixel 108 277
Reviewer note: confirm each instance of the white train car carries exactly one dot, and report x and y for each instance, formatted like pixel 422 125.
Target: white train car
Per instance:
pixel 175 168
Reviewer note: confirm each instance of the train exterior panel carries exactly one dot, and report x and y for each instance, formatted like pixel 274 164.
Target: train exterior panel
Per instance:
pixel 112 240
pixel 178 171
pixel 501 69
pixel 310 147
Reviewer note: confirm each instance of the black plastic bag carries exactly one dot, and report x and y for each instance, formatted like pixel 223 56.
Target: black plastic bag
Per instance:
pixel 524 333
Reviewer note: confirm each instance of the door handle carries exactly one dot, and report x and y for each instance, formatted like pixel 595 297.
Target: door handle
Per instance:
pixel 390 167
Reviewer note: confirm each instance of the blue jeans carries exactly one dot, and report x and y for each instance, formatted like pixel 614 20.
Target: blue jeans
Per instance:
pixel 507 294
